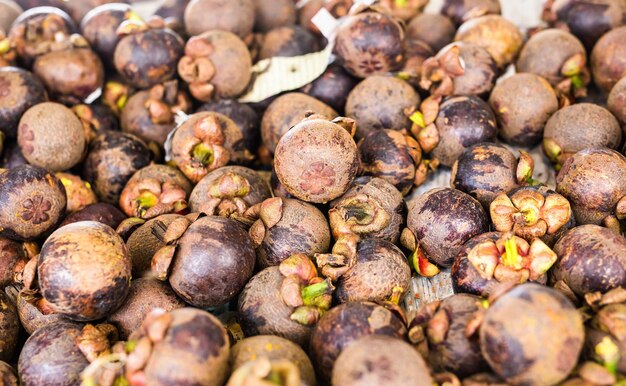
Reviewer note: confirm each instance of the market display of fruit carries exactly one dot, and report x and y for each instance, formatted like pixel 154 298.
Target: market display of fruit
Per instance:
pixel 312 192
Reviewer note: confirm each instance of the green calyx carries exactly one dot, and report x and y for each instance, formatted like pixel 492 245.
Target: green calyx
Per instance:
pixel 511 258
pixel 202 153
pixel 311 294
pixel 145 201
pixel 418 118
pixel 609 354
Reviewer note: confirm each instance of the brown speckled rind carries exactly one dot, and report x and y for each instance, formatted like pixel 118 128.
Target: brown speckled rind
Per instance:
pixel 380 268
pixel 332 334
pixel 19 90
pixel 591 258
pixel 302 228
pixel 442 220
pixel 547 354
pixel 101 212
pixel 145 295
pixel 8 376
pixel 480 70
pixel 144 242
pixel 236 16
pixel 32 202
pixel 9 327
pixel 194 351
pixel 379 102
pixel 273 14
pixel 135 119
pixel 332 87
pixel 593 180
pixel 380 360
pixel 608 59
pixel 288 41
pixel 32 319
pixel 11 252
pixel 285 112
pixel 433 29
pixel 50 356
pixel 214 260
pixel 274 348
pixel 617 102
pixel 84 270
pixel 99 27
pixel 316 161
pixel 500 37
pixel 263 312
pixel 458 10
pixel 589 20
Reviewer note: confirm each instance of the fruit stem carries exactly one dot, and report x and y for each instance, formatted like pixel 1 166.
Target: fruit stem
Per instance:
pixel 609 353
pixel 511 257
pixel 312 292
pixel 396 295
pixel 202 153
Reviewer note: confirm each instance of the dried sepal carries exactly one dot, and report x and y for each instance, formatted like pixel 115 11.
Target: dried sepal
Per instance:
pixel 421 264
pixel 92 342
pixel 525 168
pixel 161 262
pixel 271 211
pixel 175 230
pixel 348 124
pixel 359 215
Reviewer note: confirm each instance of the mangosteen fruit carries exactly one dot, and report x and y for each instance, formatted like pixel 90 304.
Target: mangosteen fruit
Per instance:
pixel 8 376
pixel 13 258
pixel 79 193
pixel 273 14
pixel 10 11
pixel 288 41
pixel 607 59
pixel 433 29
pixel 225 15
pixel 99 27
pixel 462 10
pixel 100 212
pixel 9 327
pixel 337 8
pixel 616 102
pixel 20 90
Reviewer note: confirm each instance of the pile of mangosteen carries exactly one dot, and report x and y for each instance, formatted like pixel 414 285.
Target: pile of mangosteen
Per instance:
pixel 157 230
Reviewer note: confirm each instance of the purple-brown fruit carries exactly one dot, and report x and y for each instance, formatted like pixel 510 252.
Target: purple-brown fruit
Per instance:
pixel 380 360
pixel 616 102
pixel 96 118
pixel 544 356
pixel 288 226
pixel 151 114
pixel 558 57
pixel 78 9
pixel 591 258
pixel 12 156
pixel 8 376
pixel 148 56
pixel 33 202
pixel 31 317
pixel 9 327
pixel 9 11
pixel 112 160
pixel 523 103
pixel 262 310
pixel 229 191
pixel 145 295
pixel 19 91
pixel 51 136
pixel 402 10
pixel 332 335
pixel 332 87
pixel 500 37
pixel 155 190
pixel 578 127
pixel 287 41
pixel 589 19
pixel 275 349
pixel 78 192
pixel 99 27
pixel 84 270
pixel 370 43
pixel 381 273
pixel 394 156
pixel 100 212
pixel 285 112
pixel 206 141
pixel 460 68
pixel 462 10
pixel 211 250
pixel 461 122
pixel 317 160
pixel 608 59
pixel 13 257
pixel 191 347
pixel 243 115
pixel 146 240
pixel 381 102
pixel 35 30
pixel 51 357
pixel 337 8
pixel 431 28
pixel 216 65
pixel 273 14
pixel 485 170
pixel 442 220
pixel 593 180
pixel 226 15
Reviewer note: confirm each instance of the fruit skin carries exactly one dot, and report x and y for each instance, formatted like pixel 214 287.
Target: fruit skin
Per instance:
pixel 593 180
pixel 273 14
pixel 461 10
pixel 145 295
pixel 31 318
pixel 370 43
pixel 9 327
pixel 523 103
pixel 274 348
pixel 608 59
pixel 84 270
pixel 78 192
pixel 19 91
pixel 8 376
pixel 99 27
pixel 194 350
pixel 332 87
pixel 433 29
pixel 617 102
pixel 591 258
pixel 380 360
pixel 51 136
pixel 101 212
pixel 10 11
pixel 112 160
pixel 327 168
pixel 51 357
pixel 483 171
pixel 146 240
pixel 381 268
pixel 442 220
pixel 227 15
pixel 147 58
pixel 263 312
pixel 285 112
pixel 212 248
pixel 331 335
pixel 36 196
pixel 379 102
pixel 12 258
pixel 501 38
pixel 547 354
pixel 288 41
pixel 578 127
